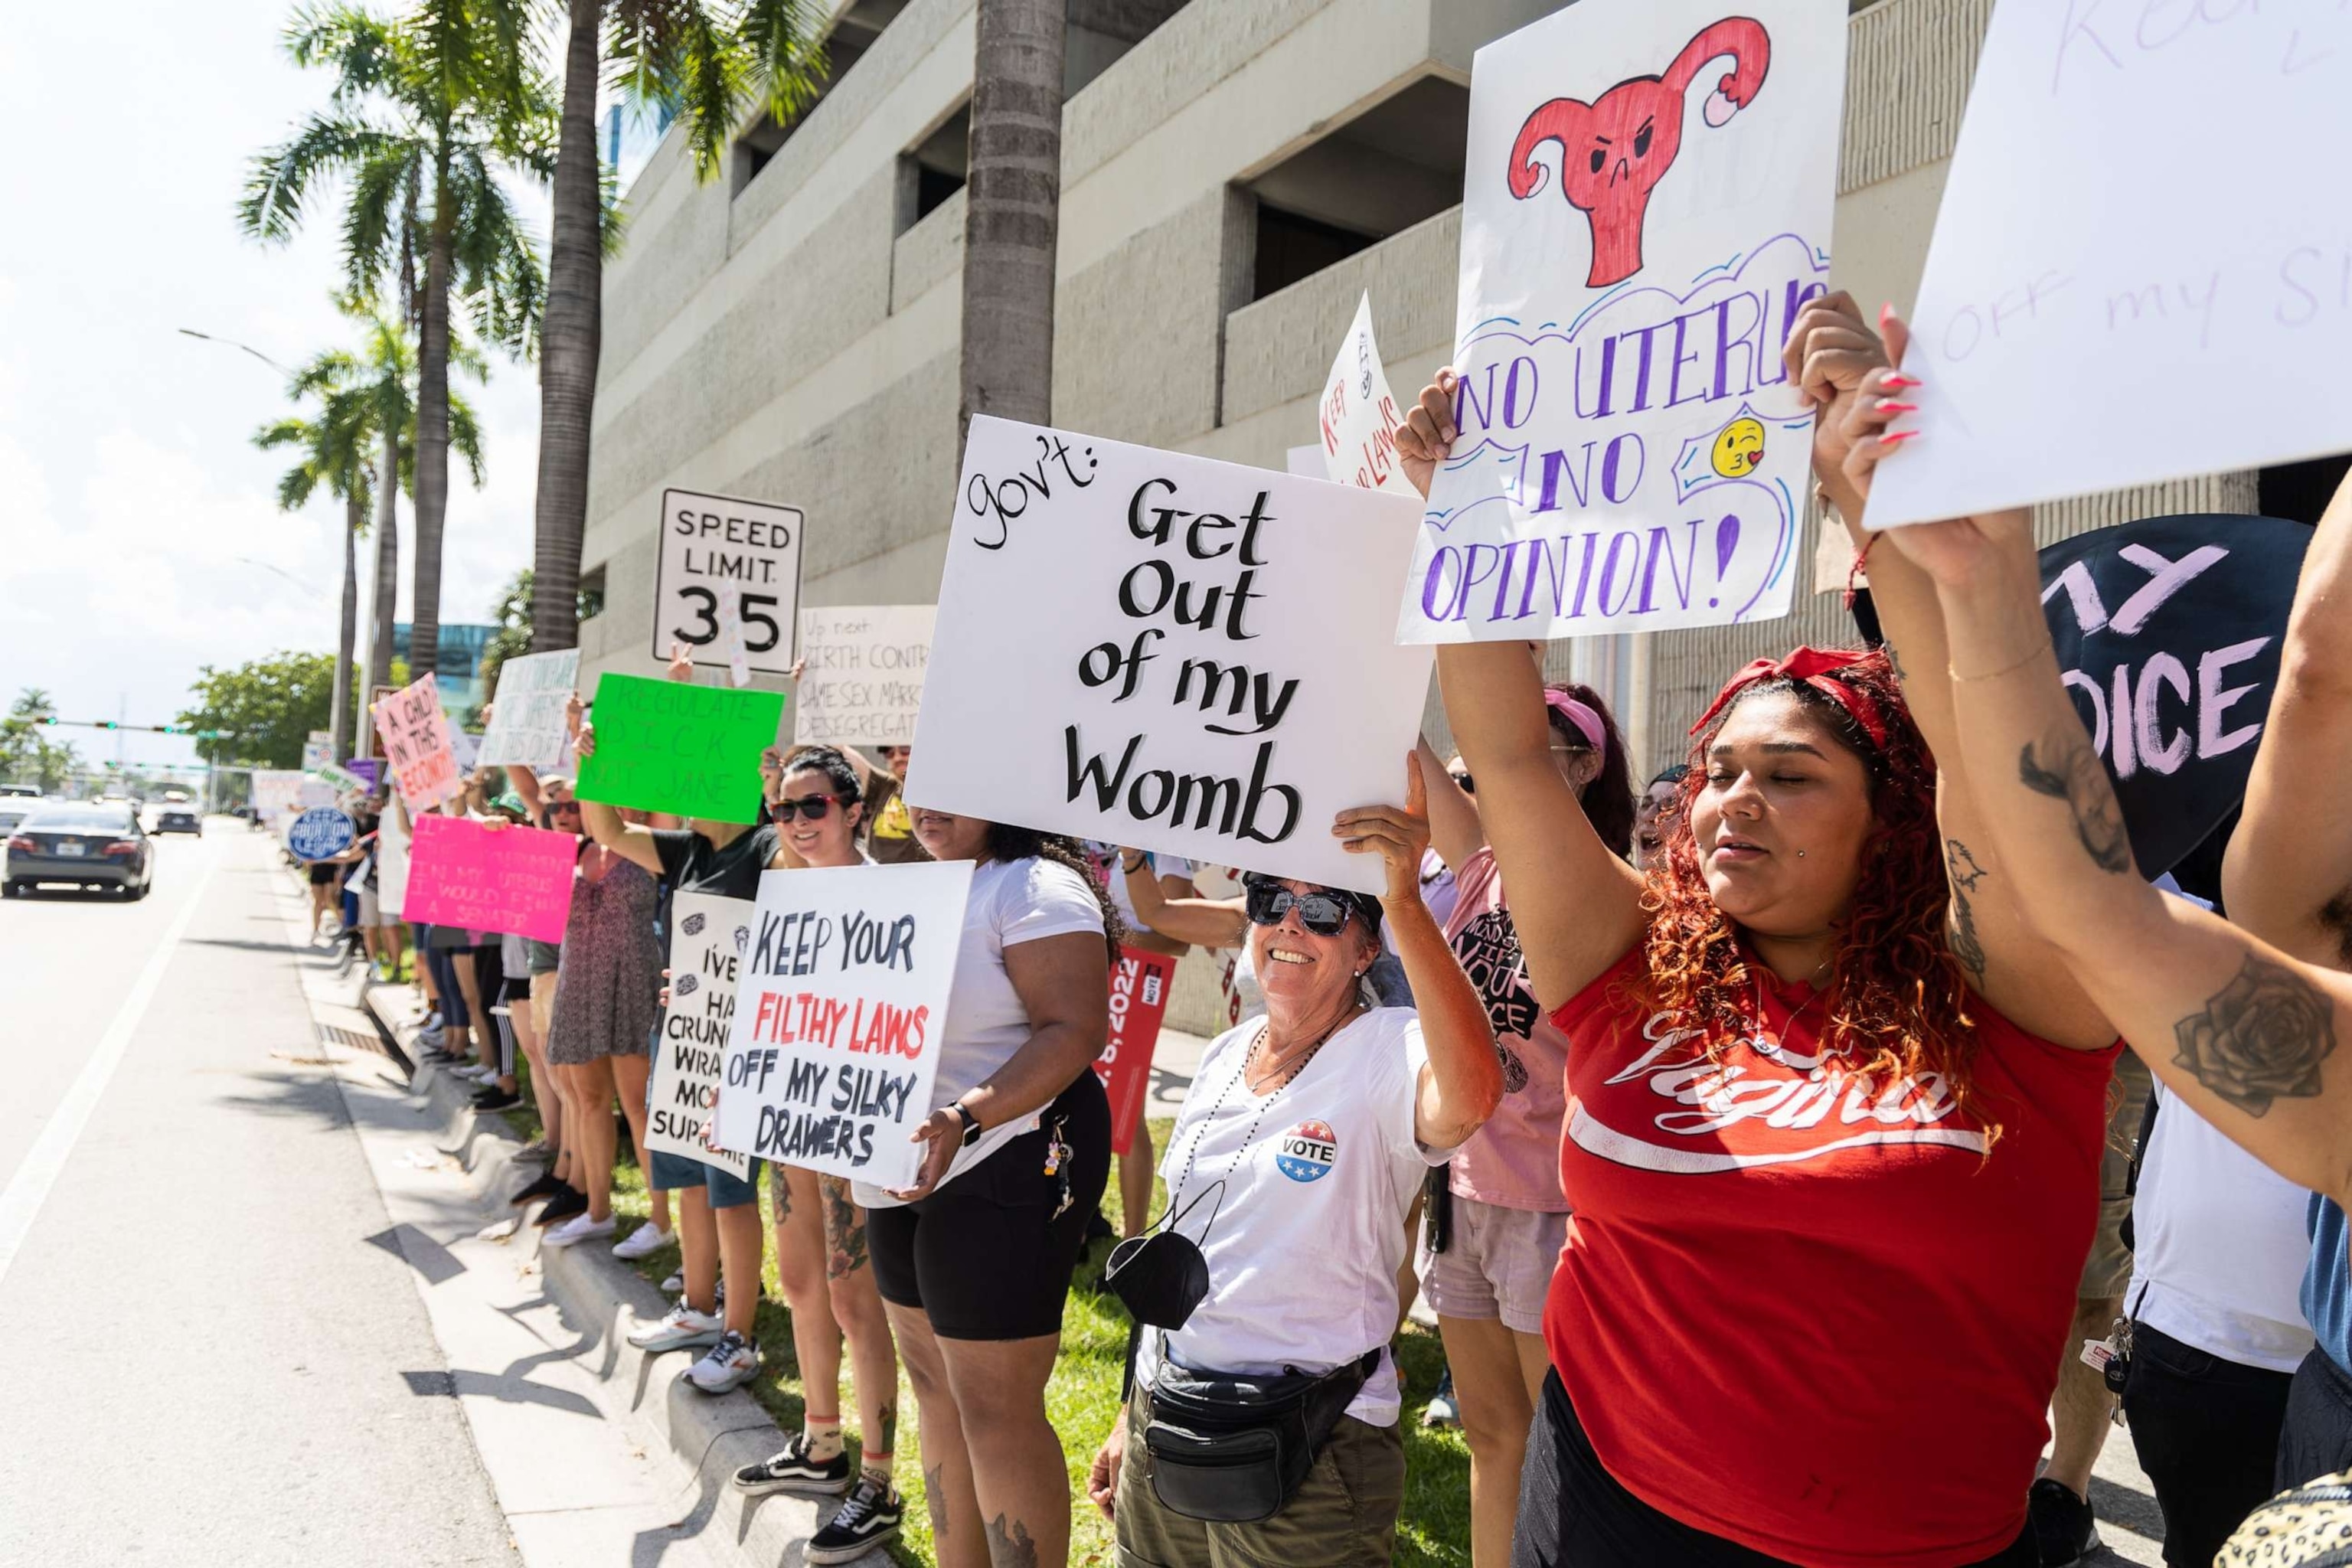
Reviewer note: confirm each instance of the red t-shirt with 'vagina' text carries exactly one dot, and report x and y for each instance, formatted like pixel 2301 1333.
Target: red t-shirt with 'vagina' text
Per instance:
pixel 1809 1312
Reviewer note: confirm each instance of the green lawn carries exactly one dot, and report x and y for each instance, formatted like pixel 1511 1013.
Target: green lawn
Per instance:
pixel 1083 1397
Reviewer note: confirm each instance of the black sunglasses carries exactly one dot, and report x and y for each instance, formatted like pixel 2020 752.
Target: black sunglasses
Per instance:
pixel 1325 914
pixel 812 806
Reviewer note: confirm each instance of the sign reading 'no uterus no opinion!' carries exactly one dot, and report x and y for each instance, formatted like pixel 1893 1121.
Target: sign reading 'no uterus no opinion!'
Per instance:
pixel 722 559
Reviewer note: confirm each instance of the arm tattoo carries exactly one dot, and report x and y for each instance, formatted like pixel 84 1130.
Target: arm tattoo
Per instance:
pixel 1010 1544
pixel 1894 662
pixel 2261 1035
pixel 1961 866
pixel 935 1502
pixel 2073 775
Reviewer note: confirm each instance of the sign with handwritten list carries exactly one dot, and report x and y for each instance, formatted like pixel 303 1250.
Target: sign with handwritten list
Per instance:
pixel 665 746
pixel 1646 204
pixel 528 724
pixel 516 880
pixel 2141 270
pixel 862 682
pixel 708 936
pixel 840 1008
pixel 1167 652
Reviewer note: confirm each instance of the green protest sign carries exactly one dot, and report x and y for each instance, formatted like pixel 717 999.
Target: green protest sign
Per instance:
pixel 663 745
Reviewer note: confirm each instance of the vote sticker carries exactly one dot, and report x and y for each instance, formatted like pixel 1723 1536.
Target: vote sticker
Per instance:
pixel 1308 1152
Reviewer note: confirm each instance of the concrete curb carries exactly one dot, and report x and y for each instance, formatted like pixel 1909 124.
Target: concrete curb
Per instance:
pixel 709 1438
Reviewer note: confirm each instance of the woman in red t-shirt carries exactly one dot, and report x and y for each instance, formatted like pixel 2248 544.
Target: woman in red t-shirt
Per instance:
pixel 1834 1119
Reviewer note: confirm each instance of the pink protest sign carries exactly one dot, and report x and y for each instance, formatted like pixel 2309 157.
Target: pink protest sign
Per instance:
pixel 517 879
pixel 416 744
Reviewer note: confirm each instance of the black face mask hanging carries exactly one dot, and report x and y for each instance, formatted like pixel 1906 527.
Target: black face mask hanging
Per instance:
pixel 1159 1277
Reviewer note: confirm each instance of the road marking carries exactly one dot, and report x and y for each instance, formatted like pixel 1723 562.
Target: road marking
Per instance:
pixel 29 1189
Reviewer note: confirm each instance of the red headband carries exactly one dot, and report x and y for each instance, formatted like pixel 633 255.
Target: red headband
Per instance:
pixel 1812 666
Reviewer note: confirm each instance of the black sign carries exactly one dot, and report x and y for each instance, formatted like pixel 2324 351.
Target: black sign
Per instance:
pixel 2168 630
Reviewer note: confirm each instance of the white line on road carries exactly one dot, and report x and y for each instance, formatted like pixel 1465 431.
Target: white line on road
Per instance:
pixel 29 1189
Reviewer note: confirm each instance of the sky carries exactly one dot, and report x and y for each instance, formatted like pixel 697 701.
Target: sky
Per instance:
pixel 139 535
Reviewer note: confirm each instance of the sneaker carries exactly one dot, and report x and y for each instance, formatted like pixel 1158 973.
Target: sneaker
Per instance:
pixel 675 1283
pixel 490 1097
pixel 545 1185
pixel 579 1228
pixel 867 1519
pixel 432 1024
pixel 1442 1410
pixel 727 1364
pixel 2066 1530
pixel 794 1471
pixel 681 1328
pixel 641 1242
pixel 562 1205
pixel 474 1072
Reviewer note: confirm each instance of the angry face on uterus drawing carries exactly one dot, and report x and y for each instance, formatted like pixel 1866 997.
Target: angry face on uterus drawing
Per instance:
pixel 1647 206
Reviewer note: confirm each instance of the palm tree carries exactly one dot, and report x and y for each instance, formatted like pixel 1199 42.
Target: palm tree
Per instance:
pixel 704 62
pixel 1012 212
pixel 333 449
pixel 427 112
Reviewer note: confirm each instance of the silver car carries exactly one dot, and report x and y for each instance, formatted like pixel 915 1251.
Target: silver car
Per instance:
pixel 92 846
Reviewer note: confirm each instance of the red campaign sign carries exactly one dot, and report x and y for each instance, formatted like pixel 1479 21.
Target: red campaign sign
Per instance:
pixel 1138 1000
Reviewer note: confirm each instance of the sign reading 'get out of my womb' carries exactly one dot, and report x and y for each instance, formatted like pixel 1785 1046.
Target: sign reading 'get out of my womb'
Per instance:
pixel 1167 652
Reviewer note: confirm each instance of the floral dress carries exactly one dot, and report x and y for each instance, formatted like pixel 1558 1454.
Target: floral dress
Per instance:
pixel 608 985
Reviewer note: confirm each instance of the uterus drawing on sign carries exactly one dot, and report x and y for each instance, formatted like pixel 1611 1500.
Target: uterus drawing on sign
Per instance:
pixel 1614 149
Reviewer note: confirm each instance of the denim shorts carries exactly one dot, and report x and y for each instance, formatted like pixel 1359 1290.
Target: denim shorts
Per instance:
pixel 668 1173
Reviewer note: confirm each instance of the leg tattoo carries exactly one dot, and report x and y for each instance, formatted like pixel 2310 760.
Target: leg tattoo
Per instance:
pixel 1009 1544
pixel 935 1502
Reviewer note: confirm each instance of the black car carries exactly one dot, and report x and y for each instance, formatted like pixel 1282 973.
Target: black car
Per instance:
pixel 179 819
pixel 88 846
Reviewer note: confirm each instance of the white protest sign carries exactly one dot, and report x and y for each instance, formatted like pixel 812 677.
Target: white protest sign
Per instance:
pixel 465 748
pixel 839 1013
pixel 314 791
pixel 708 938
pixel 527 716
pixel 1167 652
pixel 720 550
pixel 277 794
pixel 343 780
pixel 2141 270
pixel 1358 415
pixel 863 678
pixel 1647 204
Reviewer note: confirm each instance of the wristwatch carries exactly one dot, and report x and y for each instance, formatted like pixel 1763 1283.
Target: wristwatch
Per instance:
pixel 971 1124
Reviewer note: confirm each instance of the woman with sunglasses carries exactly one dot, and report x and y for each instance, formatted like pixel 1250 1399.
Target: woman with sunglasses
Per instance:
pixel 974 1260
pixel 1834 1116
pixel 1319 1122
pixel 1653 816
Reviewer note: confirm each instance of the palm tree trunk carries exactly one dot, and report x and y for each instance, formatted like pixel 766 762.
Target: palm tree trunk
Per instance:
pixel 569 342
pixel 1011 212
pixel 354 516
pixel 383 604
pixel 432 436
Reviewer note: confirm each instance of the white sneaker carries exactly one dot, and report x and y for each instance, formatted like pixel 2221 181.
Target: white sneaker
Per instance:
pixel 578 1228
pixel 641 1242
pixel 675 1283
pixel 729 1363
pixel 681 1328
pixel 476 1074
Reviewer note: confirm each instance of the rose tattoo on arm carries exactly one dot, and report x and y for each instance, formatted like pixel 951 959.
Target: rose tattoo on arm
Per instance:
pixel 2260 1036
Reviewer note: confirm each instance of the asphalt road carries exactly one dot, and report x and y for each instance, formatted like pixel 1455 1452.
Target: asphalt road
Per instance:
pixel 212 1352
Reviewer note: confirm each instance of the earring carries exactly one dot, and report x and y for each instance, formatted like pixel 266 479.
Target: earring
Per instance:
pixel 1800 854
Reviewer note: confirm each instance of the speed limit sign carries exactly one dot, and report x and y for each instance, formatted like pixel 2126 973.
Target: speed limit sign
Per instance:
pixel 725 559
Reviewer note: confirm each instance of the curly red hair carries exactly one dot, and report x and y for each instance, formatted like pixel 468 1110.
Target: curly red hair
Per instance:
pixel 1898 1004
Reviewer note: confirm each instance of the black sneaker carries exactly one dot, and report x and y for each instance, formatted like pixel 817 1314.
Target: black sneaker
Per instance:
pixel 794 1471
pixel 546 1185
pixel 867 1519
pixel 2064 1528
pixel 493 1098
pixel 566 1202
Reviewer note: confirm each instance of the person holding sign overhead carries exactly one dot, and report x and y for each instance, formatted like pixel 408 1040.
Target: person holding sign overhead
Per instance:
pixel 975 1259
pixel 1793 1038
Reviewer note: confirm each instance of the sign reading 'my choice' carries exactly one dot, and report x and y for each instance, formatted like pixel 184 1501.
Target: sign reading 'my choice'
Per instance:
pixel 723 557
pixel 2146 189
pixel 1167 652
pixel 665 746
pixel 416 744
pixel 839 1012
pixel 862 680
pixel 1647 206
pixel 516 880
pixel 708 938
pixel 526 717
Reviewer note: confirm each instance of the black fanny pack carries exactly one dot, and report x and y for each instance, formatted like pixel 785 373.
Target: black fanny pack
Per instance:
pixel 1232 1449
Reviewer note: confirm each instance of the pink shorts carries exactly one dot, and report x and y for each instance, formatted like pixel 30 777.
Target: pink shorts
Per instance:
pixel 1497 1264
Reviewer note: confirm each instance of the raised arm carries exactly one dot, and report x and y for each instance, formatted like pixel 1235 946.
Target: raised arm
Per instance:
pixel 2288 874
pixel 1202 922
pixel 1454 828
pixel 2244 1031
pixel 623 838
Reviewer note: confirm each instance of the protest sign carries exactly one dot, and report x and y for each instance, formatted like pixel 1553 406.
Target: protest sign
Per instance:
pixel 342 779
pixel 320 832
pixel 527 716
pixel 839 1013
pixel 516 880
pixel 416 744
pixel 314 791
pixel 369 771
pixel 708 938
pixel 1167 652
pixel 2168 632
pixel 277 794
pixel 317 750
pixel 2139 193
pixel 743 555
pixel 664 745
pixel 863 678
pixel 465 750
pixel 1307 462
pixel 1647 206
pixel 1139 1001
pixel 1358 417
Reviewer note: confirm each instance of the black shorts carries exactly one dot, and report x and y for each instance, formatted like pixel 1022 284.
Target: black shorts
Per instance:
pixel 986 1256
pixel 515 990
pixel 324 873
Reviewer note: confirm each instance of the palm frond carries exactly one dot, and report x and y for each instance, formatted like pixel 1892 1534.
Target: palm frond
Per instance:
pixel 784 45
pixel 279 180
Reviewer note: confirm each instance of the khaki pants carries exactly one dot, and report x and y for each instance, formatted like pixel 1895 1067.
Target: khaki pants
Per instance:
pixel 1345 1512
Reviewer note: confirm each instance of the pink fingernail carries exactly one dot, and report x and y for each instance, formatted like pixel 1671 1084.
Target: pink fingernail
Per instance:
pixel 1887 314
pixel 1899 383
pixel 1888 405
pixel 1896 438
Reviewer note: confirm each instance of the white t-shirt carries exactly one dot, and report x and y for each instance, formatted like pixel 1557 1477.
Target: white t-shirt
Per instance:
pixel 1012 902
pixel 392 861
pixel 1304 1251
pixel 1116 878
